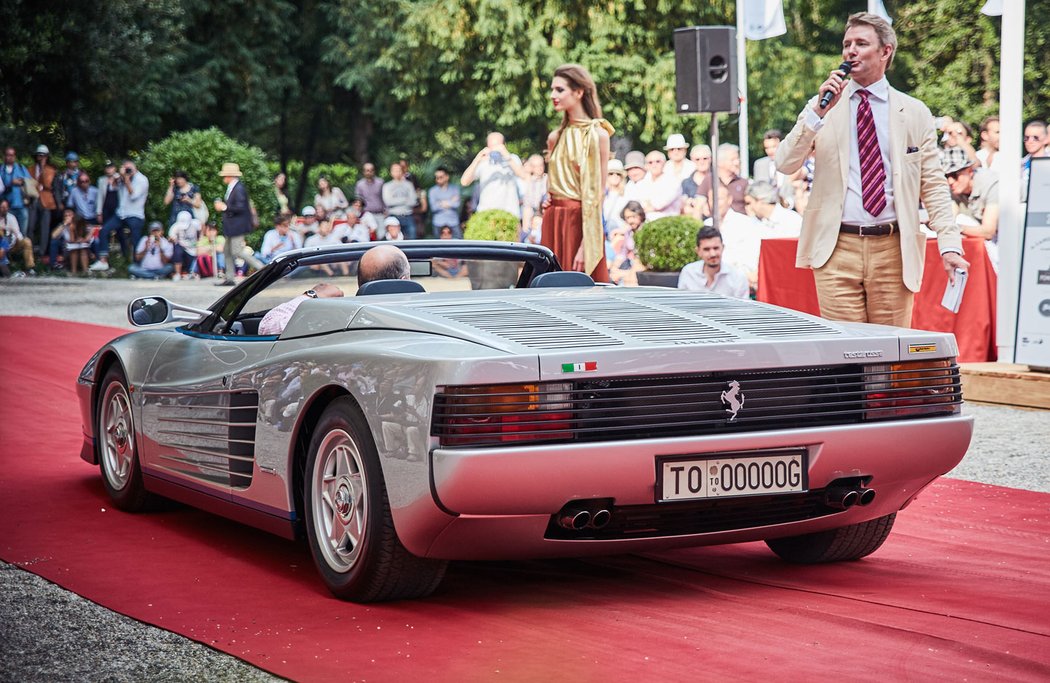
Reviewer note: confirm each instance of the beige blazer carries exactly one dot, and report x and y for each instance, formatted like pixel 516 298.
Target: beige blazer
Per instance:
pixel 916 175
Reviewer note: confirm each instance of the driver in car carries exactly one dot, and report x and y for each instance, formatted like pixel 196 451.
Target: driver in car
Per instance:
pixel 278 316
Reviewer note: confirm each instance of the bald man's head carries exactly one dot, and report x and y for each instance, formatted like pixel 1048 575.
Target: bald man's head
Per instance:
pixel 383 262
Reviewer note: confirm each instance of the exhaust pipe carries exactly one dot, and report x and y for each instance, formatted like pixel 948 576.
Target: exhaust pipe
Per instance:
pixel 600 518
pixel 865 496
pixel 841 498
pixel 574 520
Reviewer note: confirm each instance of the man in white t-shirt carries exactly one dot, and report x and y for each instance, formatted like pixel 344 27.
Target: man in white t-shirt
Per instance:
pixel 152 255
pixel 353 230
pixel 498 172
pixel 678 166
pixel 763 202
pixel 710 273
pixel 741 236
pixel 659 193
pixel 324 236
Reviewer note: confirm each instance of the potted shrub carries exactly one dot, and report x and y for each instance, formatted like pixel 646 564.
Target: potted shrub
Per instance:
pixel 495 225
pixel 664 247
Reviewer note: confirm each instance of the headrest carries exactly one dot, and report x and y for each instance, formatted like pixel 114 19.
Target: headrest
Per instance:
pixel 390 287
pixel 563 278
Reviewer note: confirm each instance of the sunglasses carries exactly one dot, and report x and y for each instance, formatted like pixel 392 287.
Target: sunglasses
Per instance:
pixel 1033 137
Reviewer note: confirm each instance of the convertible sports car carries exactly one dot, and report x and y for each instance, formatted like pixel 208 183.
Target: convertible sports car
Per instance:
pixel 495 407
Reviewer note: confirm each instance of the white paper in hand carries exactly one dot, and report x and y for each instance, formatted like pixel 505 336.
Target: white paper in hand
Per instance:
pixel 953 293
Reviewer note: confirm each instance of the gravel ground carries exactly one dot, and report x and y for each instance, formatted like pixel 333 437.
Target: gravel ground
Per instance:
pixel 48 634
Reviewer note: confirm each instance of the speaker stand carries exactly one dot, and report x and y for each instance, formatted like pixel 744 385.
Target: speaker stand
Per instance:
pixel 716 182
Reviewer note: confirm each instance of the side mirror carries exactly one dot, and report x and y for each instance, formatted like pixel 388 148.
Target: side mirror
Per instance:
pixel 156 310
pixel 150 310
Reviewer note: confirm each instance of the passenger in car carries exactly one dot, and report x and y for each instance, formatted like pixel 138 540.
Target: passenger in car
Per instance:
pixel 277 317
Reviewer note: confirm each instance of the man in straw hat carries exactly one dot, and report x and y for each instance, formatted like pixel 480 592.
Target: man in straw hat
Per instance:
pixel 236 212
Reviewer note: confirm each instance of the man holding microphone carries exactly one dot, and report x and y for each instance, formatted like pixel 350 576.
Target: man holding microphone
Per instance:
pixel 876 157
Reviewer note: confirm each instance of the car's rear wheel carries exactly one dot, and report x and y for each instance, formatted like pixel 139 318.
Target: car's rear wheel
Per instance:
pixel 348 522
pixel 836 545
pixel 118 456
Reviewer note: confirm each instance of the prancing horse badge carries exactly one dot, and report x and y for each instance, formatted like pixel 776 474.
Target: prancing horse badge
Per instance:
pixel 734 398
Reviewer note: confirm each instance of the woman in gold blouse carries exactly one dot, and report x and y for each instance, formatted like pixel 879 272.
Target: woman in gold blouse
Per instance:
pixel 579 154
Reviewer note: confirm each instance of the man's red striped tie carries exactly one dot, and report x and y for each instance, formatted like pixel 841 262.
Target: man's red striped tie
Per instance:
pixel 872 173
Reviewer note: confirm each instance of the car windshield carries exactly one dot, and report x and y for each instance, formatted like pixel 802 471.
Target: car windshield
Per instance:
pixel 436 266
pixel 434 274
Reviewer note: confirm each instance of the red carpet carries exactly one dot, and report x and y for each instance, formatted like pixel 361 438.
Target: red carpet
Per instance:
pixel 961 590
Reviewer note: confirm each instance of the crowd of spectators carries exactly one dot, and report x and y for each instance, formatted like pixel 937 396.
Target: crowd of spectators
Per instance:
pixel 61 220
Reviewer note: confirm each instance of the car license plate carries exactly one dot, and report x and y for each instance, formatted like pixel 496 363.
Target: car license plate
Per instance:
pixel 726 475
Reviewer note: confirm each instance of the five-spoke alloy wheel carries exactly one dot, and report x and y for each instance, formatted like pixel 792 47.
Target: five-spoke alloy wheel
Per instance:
pixel 348 523
pixel 340 512
pixel 115 434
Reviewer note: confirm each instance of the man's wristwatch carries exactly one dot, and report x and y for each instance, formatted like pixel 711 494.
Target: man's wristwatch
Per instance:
pixel 310 293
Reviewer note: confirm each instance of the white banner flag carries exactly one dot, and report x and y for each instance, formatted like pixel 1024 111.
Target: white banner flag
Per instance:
pixel 877 7
pixel 763 19
pixel 993 8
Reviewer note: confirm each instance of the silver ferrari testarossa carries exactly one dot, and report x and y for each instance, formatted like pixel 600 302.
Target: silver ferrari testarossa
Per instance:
pixel 494 407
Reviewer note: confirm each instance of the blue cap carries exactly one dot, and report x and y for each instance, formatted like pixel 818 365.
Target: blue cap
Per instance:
pixel 72 156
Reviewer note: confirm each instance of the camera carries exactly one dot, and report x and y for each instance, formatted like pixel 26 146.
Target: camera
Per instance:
pixel 128 170
pixel 496 157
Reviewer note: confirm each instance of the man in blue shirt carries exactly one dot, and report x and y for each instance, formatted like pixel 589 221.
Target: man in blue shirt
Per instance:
pixel 278 240
pixel 83 198
pixel 14 176
pixel 444 200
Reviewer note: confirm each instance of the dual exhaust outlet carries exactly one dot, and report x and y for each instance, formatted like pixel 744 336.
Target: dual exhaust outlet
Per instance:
pixel 844 497
pixel 574 518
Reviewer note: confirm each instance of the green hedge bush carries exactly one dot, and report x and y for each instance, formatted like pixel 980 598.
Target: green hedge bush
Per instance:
pixel 493 225
pixel 201 154
pixel 667 244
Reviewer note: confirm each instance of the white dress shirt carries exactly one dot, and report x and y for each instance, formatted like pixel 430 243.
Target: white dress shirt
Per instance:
pixel 728 281
pixel 664 194
pixel 853 211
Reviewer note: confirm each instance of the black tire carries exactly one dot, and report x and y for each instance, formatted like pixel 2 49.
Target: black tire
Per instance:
pixel 846 543
pixel 118 457
pixel 344 496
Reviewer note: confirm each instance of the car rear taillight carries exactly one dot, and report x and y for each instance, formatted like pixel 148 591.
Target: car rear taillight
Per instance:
pixel 503 413
pixel 912 388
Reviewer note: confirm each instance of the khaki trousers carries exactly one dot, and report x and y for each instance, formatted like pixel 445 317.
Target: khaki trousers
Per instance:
pixel 863 282
pixel 23 248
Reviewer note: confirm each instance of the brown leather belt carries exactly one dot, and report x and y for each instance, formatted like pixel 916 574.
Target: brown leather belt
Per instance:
pixel 875 230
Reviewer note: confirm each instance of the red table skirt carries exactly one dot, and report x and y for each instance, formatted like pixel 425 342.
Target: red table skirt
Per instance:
pixel 781 283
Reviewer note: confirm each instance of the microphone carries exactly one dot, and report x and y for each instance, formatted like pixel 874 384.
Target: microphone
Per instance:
pixel 825 99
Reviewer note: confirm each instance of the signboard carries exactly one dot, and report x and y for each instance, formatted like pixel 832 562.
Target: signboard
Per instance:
pixel 1032 346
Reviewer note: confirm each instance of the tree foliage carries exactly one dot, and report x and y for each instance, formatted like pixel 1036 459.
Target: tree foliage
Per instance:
pixel 341 81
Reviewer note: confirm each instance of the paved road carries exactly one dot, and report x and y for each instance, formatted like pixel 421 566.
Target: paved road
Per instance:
pixel 47 633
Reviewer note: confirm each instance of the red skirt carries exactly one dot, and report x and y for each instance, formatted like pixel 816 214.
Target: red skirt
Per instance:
pixel 563 232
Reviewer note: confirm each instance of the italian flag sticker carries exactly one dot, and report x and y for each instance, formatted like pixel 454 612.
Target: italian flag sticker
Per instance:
pixel 589 366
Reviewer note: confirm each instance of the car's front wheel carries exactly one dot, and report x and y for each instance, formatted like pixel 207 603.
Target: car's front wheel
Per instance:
pixel 348 522
pixel 118 456
pixel 836 545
